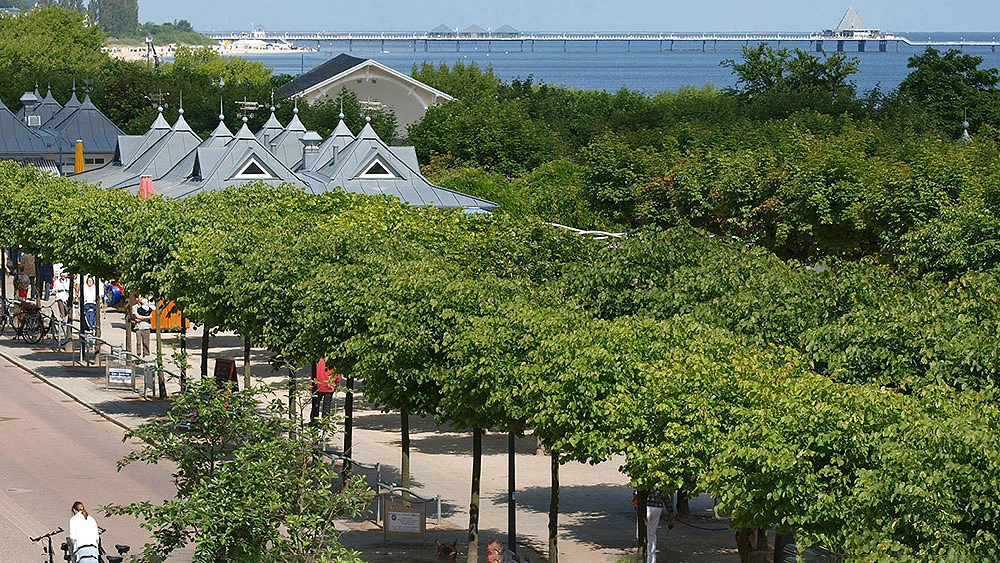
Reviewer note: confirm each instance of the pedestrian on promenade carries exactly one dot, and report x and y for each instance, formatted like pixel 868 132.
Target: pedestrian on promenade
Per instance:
pixel 142 315
pixel 28 268
pixel 61 287
pixel 655 504
pixel 46 275
pixel 21 284
pixel 322 391
pixel 84 536
pixel 90 296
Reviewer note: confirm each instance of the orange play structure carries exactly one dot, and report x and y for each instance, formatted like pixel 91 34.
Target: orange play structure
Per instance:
pixel 168 316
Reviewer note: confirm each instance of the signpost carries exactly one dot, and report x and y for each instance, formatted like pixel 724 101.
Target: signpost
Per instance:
pixel 402 520
pixel 119 377
pixel 225 373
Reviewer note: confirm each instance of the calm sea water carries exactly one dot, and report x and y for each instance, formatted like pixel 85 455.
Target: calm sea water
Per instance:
pixel 613 66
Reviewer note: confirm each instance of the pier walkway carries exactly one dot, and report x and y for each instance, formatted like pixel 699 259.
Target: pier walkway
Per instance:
pixel 666 40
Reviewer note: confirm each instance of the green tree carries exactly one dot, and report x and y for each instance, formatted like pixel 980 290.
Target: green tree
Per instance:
pixel 47 45
pixel 116 17
pixel 780 81
pixel 247 488
pixel 952 88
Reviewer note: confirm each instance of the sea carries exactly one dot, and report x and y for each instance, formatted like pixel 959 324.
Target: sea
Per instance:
pixel 644 66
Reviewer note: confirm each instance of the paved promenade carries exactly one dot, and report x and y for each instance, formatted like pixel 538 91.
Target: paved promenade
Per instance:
pixel 596 518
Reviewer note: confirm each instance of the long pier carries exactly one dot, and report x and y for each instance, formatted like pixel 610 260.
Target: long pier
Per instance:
pixel 668 40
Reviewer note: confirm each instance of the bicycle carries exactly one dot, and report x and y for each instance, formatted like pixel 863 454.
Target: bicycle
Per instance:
pixel 28 322
pixel 47 550
pixel 57 329
pixel 102 556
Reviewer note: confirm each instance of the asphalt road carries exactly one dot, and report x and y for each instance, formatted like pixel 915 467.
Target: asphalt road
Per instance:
pixel 54 451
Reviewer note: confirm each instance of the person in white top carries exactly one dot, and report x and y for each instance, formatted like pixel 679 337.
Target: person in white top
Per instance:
pixel 61 286
pixel 142 315
pixel 90 297
pixel 84 536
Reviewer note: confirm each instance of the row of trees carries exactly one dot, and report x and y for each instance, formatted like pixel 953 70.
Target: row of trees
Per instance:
pixel 852 407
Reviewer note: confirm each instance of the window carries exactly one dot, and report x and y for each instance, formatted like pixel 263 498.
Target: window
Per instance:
pixel 253 169
pixel 377 169
pixel 98 161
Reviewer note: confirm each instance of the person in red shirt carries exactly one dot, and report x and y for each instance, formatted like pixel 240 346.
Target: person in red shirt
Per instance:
pixel 322 391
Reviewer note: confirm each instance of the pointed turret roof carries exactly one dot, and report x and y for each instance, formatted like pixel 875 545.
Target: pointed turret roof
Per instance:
pixel 154 159
pixel 851 22
pixel 66 110
pixel 271 129
pixel 368 166
pixel 99 134
pixel 287 146
pixel 17 138
pixel 336 142
pixel 221 135
pixel 210 167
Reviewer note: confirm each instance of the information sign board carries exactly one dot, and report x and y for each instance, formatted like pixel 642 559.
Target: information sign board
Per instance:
pixel 119 377
pixel 225 373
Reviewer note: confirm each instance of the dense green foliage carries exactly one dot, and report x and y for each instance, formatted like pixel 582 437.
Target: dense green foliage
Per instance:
pixel 801 321
pixel 247 489
pixel 116 17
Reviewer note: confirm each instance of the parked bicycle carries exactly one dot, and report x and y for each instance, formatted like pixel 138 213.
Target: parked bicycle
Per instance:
pixel 47 549
pixel 28 322
pixel 103 557
pixel 6 316
pixel 58 329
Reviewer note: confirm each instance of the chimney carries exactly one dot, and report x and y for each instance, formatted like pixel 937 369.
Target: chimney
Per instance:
pixel 310 148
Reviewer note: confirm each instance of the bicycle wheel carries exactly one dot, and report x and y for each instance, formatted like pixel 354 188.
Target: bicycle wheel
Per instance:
pixel 33 329
pixel 3 322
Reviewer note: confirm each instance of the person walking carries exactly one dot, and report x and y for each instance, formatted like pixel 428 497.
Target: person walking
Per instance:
pixel 61 287
pixel 322 388
pixel 84 535
pixel 46 275
pixel 142 315
pixel 29 269
pixel 90 296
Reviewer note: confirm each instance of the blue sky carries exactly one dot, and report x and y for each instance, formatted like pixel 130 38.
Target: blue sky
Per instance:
pixel 582 15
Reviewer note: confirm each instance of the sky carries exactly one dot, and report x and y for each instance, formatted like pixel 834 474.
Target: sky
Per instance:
pixel 582 15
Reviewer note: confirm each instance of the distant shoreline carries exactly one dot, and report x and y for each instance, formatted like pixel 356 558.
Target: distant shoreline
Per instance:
pixel 138 53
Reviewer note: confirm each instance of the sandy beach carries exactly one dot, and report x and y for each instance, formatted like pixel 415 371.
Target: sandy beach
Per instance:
pixel 167 52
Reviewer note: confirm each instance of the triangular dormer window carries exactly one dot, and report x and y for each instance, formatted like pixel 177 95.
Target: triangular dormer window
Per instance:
pixel 377 169
pixel 255 170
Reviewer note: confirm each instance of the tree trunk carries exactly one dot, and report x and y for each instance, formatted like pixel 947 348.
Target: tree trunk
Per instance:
pixel 38 283
pixel 291 395
pixel 129 325
pixel 683 504
pixel 97 320
pixel 640 523
pixel 404 435
pixel 348 428
pixel 477 470
pixel 160 376
pixel 83 322
pixel 781 539
pixel 69 314
pixel 554 509
pixel 246 362
pixel 761 542
pixel 744 544
pixel 183 358
pixel 205 335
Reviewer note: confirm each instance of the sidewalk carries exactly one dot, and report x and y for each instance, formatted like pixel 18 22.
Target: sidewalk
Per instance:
pixel 596 520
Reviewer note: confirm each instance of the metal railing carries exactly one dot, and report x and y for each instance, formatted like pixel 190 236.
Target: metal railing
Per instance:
pixel 385 487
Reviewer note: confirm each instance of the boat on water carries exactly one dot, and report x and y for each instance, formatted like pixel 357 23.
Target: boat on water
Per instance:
pixel 259 41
